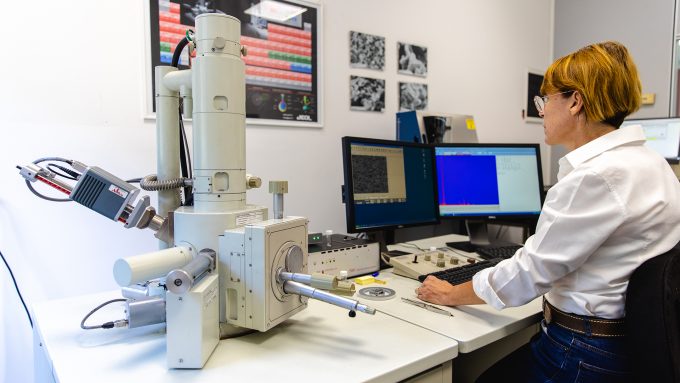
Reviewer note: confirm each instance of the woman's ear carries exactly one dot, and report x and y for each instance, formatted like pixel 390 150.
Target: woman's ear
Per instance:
pixel 576 103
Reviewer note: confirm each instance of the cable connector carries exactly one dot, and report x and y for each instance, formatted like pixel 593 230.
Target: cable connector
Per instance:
pixel 78 166
pixel 117 323
pixel 31 171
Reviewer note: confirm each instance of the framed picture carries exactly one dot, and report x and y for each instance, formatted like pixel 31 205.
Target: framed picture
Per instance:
pixel 366 51
pixel 412 60
pixel 367 94
pixel 283 64
pixel 412 96
pixel 533 83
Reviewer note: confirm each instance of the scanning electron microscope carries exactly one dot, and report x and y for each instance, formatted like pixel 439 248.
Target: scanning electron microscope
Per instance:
pixel 224 268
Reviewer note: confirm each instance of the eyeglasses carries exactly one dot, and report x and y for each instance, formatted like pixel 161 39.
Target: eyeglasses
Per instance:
pixel 540 101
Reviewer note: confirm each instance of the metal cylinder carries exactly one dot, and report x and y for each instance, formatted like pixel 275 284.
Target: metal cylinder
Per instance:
pixel 145 312
pixel 167 139
pixel 317 280
pixel 278 189
pixel 156 222
pixel 291 287
pixel 181 280
pixel 141 268
pixel 278 206
pixel 296 277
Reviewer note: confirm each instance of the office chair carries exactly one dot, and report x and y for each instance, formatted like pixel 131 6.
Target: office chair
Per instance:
pixel 653 319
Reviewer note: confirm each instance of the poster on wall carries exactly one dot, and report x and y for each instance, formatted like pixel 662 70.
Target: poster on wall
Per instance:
pixel 412 96
pixel 367 94
pixel 412 59
pixel 366 51
pixel 283 82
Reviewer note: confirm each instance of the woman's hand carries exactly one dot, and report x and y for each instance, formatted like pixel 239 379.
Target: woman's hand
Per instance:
pixel 440 292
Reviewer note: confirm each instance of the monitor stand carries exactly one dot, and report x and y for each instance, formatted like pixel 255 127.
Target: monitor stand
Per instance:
pixel 384 238
pixel 479 237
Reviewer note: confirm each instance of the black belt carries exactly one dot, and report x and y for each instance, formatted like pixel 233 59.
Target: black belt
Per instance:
pixel 586 325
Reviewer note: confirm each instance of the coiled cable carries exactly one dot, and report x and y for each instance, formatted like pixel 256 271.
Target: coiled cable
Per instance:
pixel 151 183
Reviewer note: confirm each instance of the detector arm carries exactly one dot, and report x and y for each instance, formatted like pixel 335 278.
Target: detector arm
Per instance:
pixel 104 193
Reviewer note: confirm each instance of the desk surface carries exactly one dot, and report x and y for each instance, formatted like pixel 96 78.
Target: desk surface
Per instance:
pixel 473 326
pixel 320 343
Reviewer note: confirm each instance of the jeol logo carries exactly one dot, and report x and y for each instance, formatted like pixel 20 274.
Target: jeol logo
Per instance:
pixel 304 117
pixel 116 190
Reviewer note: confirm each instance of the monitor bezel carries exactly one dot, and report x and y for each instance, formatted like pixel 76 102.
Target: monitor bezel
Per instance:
pixel 350 217
pixel 670 160
pixel 491 217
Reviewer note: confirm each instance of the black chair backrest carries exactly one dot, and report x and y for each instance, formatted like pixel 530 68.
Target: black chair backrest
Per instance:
pixel 653 319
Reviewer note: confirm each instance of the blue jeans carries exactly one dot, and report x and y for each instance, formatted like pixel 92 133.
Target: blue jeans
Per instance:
pixel 556 354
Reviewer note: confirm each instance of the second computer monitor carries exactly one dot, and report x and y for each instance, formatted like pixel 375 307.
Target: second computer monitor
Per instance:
pixel 662 134
pixel 482 182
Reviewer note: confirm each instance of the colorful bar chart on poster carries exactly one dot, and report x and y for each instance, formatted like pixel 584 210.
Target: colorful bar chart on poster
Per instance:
pixel 171 31
pixel 282 59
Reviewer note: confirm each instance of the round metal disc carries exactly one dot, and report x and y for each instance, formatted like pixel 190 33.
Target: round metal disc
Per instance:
pixel 295 258
pixel 377 293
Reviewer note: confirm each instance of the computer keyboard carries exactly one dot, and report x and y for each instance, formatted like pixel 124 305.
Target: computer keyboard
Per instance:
pixel 458 275
pixel 492 252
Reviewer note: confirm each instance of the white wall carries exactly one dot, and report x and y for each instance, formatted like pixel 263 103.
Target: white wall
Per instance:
pixel 73 86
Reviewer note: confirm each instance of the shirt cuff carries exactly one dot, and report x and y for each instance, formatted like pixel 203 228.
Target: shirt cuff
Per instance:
pixel 482 287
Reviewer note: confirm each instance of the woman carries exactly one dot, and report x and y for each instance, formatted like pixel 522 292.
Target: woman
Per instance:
pixel 616 204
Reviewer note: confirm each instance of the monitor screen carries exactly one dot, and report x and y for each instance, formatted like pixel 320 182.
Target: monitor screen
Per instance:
pixel 663 135
pixel 489 181
pixel 388 184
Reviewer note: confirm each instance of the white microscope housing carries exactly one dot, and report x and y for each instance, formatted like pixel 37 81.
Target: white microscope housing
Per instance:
pixel 223 268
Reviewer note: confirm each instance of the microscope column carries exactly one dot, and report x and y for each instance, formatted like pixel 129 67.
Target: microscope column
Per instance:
pixel 218 77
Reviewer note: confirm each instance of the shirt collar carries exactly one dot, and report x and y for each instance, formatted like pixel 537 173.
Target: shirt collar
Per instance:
pixel 621 136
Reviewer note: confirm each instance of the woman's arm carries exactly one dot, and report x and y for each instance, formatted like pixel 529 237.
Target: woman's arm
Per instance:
pixel 443 293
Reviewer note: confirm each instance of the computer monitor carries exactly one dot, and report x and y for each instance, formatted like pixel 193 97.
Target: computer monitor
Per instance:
pixel 663 135
pixel 388 184
pixel 486 182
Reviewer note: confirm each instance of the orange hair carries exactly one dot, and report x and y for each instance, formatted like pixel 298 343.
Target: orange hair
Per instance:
pixel 605 76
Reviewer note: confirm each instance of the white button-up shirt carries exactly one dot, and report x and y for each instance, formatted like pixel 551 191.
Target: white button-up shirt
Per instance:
pixel 616 204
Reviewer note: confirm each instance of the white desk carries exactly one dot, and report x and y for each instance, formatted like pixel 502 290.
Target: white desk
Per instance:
pixel 472 326
pixel 321 343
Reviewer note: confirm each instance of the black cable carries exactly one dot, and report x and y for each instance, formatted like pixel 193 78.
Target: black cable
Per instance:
pixel 185 162
pixel 63 172
pixel 184 150
pixel 134 181
pixel 17 288
pixel 104 325
pixel 178 51
pixel 60 159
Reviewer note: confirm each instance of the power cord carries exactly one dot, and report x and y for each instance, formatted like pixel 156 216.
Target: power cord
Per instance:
pixel 413 245
pixel 117 323
pixel 17 288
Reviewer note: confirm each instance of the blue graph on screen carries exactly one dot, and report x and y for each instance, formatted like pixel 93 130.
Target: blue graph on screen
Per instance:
pixel 467 180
